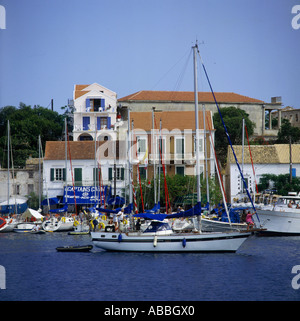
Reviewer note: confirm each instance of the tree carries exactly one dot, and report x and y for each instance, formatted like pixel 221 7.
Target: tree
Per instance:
pixel 287 132
pixel 178 187
pixel 233 119
pixel 281 183
pixel 26 124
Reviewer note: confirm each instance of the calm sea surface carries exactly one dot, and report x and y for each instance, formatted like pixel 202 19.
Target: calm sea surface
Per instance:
pixel 260 270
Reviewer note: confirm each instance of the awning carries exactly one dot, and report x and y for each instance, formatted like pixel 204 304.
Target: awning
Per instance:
pixel 30 212
pixel 52 201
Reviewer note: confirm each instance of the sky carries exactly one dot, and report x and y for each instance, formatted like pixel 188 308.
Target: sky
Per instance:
pixel 48 46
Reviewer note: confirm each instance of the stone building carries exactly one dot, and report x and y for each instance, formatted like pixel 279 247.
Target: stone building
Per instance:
pixel 257 109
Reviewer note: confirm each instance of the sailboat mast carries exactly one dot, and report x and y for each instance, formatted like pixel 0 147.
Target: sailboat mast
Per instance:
pixel 66 159
pixel 40 188
pixel 129 156
pixel 195 48
pixel 206 162
pixel 8 143
pixel 154 158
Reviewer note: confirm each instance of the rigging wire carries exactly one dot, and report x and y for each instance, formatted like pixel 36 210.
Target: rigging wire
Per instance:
pixel 171 69
pixel 227 134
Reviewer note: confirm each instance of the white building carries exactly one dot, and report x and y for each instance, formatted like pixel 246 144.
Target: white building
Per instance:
pixel 88 160
pixel 95 113
pixel 267 159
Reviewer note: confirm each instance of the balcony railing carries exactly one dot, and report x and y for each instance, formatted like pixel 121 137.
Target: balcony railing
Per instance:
pixel 90 128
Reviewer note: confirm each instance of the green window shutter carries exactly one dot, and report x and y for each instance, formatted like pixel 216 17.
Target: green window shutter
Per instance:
pixel 110 173
pixel 78 176
pixel 96 175
pixel 64 174
pixel 52 174
pixel 122 174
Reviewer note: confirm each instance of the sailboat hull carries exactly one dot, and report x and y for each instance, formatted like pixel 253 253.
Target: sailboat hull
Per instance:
pixel 204 242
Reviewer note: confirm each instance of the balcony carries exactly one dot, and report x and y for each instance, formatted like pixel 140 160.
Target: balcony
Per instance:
pixel 91 128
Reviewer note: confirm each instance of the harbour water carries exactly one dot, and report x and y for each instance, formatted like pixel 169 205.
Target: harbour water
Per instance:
pixel 261 270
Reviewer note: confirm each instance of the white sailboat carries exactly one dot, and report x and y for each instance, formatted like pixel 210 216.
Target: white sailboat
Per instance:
pixel 283 217
pixel 159 237
pixel 29 219
pixel 55 224
pixel 13 204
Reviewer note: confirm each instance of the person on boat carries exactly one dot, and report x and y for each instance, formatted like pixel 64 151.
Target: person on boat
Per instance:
pixel 179 209
pixel 95 223
pixel 290 205
pixel 249 220
pixel 138 225
pixel 121 216
pixel 80 216
pixel 115 220
pixel 35 228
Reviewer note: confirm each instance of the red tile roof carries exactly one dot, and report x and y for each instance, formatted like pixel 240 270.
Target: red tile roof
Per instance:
pixel 170 120
pixel 188 96
pixel 55 150
pixel 78 90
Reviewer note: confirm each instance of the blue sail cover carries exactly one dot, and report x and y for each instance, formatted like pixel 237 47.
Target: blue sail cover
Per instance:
pixel 127 210
pixel 196 210
pixel 154 209
pixel 59 210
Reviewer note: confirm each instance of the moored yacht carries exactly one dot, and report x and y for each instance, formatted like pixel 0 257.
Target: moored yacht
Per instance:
pixel 283 217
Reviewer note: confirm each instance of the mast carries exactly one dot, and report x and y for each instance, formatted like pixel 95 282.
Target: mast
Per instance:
pixel 8 143
pixel 40 189
pixel 195 49
pixel 206 166
pixel 129 156
pixel 243 140
pixel 154 167
pixel 66 159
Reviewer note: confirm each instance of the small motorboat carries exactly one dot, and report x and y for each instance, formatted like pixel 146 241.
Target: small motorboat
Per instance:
pixel 72 248
pixel 37 232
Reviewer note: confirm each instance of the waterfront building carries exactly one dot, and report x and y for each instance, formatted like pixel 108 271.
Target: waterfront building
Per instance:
pixel 22 181
pixel 267 159
pixel 93 167
pixel 257 109
pixel 95 113
pixel 177 139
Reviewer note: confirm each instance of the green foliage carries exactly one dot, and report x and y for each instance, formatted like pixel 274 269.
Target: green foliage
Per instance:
pixel 233 119
pixel 280 182
pixel 26 124
pixel 178 188
pixel 287 132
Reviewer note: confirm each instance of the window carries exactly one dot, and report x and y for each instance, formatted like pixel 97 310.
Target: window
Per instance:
pixel 143 173
pixel 200 145
pixel 119 173
pixel 160 146
pixel 179 147
pixel 57 174
pixel 78 176
pixel 179 170
pixel 95 104
pixel 103 123
pixel 141 144
pixel 86 123
pixel 30 188
pixel 17 189
pixel 96 174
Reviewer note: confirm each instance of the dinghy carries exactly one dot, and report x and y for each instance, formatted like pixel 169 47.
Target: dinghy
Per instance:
pixel 72 248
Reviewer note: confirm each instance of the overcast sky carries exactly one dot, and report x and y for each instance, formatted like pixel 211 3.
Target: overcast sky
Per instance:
pixel 248 47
